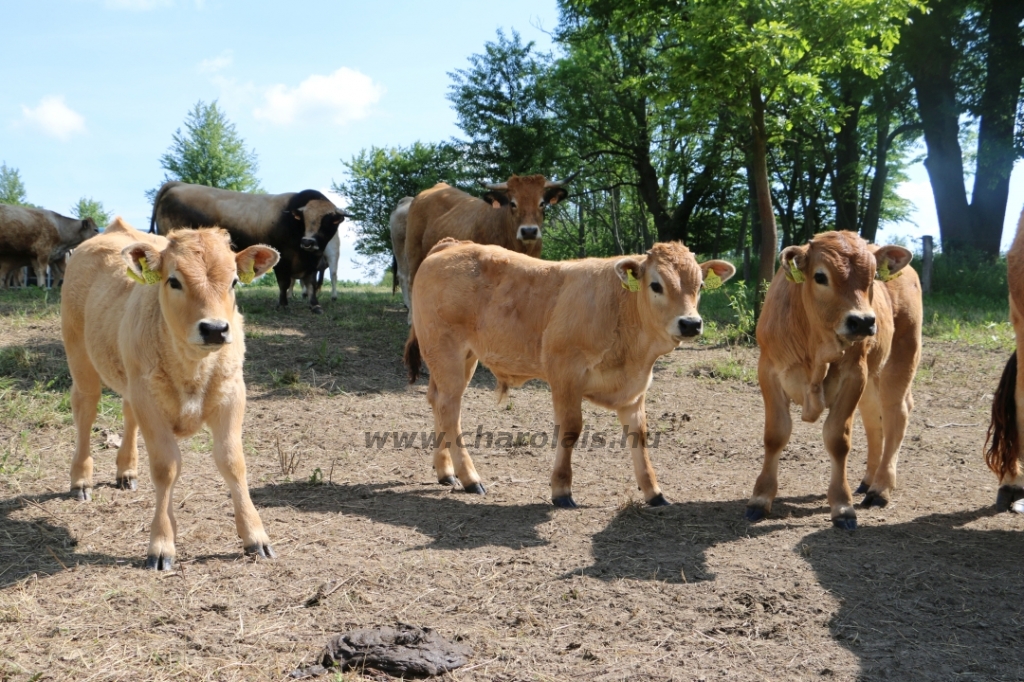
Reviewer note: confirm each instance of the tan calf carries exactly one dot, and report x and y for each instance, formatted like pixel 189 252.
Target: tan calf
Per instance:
pixel 832 336
pixel 1003 457
pixel 591 328
pixel 173 349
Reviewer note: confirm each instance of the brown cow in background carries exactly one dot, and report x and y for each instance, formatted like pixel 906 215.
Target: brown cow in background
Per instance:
pixel 1003 457
pixel 510 214
pixel 39 238
pixel 400 265
pixel 831 336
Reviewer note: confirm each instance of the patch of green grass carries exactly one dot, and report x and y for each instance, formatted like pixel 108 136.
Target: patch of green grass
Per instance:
pixel 724 370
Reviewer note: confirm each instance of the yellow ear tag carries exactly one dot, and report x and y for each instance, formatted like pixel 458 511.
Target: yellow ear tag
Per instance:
pixel 794 274
pixel 631 283
pixel 883 272
pixel 148 276
pixel 247 276
pixel 712 280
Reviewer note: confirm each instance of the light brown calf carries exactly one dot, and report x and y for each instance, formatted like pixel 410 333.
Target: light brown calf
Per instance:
pixel 173 349
pixel 1004 455
pixel 591 328
pixel 510 214
pixel 833 336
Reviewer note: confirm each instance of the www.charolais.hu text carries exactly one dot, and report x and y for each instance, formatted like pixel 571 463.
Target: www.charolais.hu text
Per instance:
pixel 509 439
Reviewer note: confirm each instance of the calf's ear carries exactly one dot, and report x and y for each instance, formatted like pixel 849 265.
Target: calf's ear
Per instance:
pixel 793 260
pixel 496 198
pixel 552 195
pixel 630 271
pixel 894 257
pixel 722 269
pixel 143 262
pixel 254 262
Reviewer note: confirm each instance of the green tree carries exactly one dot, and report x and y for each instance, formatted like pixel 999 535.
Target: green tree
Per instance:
pixel 12 189
pixel 379 177
pixel 209 152
pixel 90 208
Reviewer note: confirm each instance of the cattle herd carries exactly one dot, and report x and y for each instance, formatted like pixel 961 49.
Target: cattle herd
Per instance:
pixel 153 317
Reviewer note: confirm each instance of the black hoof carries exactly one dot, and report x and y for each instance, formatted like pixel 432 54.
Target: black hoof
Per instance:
pixel 447 480
pixel 317 310
pixel 1007 495
pixel 127 483
pixel 861 489
pixel 873 500
pixel 845 522
pixel 564 502
pixel 754 514
pixel 262 550
pixel 476 489
pixel 85 494
pixel 159 563
pixel 658 501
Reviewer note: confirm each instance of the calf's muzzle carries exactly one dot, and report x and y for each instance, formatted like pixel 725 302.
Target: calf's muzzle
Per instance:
pixel 529 233
pixel 214 332
pixel 860 325
pixel 308 243
pixel 690 326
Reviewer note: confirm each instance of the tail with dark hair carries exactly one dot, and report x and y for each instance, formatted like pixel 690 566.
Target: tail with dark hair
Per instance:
pixel 1003 457
pixel 412 356
pixel 394 274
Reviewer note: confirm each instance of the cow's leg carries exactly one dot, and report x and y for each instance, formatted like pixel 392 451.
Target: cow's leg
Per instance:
pixel 284 284
pixel 85 397
pixel 836 433
pixel 448 379
pixel 871 414
pixel 309 280
pixel 226 429
pixel 634 420
pixel 128 453
pixel 778 425
pixel 164 469
pixel 334 282
pixel 569 423
pixel 442 459
pixel 40 269
pixel 1011 488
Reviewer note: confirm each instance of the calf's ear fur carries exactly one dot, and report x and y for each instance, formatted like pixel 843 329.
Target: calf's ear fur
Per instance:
pixel 896 257
pixel 724 269
pixel 793 258
pixel 625 266
pixel 147 270
pixel 254 262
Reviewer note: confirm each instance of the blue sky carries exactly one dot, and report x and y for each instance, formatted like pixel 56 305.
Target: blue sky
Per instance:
pixel 94 89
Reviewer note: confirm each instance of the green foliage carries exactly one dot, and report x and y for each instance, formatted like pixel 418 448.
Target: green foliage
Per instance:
pixel 12 189
pixel 90 208
pixel 209 152
pixel 379 177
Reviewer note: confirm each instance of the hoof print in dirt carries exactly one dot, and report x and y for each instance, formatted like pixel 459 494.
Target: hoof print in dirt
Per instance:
pixel 564 502
pixel 873 500
pixel 753 514
pixel 476 489
pixel 262 550
pixel 159 563
pixel 1006 496
pixel 85 494
pixel 658 501
pixel 126 483
pixel 447 480
pixel 400 651
pixel 845 522
pixel 861 489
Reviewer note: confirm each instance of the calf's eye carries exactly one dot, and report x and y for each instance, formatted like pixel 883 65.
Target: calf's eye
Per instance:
pixel 656 287
pixel 820 278
pixel 235 283
pixel 173 281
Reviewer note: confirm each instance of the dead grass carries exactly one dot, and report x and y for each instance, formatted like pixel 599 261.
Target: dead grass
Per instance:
pixel 925 589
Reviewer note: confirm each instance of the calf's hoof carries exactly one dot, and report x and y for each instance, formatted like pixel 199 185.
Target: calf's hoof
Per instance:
pixel 476 489
pixel 564 502
pixel 262 550
pixel 658 501
pixel 447 480
pixel 1008 494
pixel 755 513
pixel 83 494
pixel 873 499
pixel 126 483
pixel 317 310
pixel 159 563
pixel 861 489
pixel 846 520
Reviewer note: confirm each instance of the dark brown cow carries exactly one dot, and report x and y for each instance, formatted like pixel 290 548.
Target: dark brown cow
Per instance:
pixel 39 237
pixel 510 214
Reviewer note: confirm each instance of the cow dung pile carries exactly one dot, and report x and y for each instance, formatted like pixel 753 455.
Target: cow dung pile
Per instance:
pixel 401 651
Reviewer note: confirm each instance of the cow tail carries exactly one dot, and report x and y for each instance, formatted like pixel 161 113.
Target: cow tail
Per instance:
pixel 394 274
pixel 412 356
pixel 1002 458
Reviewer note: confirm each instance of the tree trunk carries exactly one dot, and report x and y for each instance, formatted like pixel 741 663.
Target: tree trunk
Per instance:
pixel 759 159
pixel 844 189
pixel 1004 71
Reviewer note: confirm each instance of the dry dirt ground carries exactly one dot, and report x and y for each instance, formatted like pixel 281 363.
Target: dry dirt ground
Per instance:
pixel 926 589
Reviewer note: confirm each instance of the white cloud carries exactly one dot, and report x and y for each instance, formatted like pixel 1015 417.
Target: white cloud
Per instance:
pixel 214 64
pixel 343 96
pixel 54 118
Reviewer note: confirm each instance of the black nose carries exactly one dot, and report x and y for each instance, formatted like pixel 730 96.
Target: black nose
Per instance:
pixel 529 233
pixel 690 326
pixel 307 243
pixel 213 333
pixel 860 325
